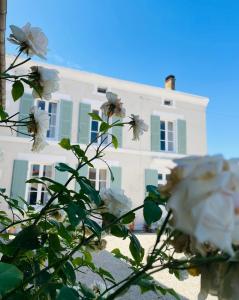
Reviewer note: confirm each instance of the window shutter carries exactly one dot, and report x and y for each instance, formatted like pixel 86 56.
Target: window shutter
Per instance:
pixel 151 177
pixel 19 177
pixel 182 136
pixel 117 177
pixel 61 177
pixel 26 102
pixel 84 124
pixel 155 133
pixel 65 119
pixel 82 172
pixel 118 131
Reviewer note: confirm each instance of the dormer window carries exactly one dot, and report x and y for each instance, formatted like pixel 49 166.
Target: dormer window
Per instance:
pixel 102 90
pixel 168 102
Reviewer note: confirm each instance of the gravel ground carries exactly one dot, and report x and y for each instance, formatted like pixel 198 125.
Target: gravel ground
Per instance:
pixel 188 289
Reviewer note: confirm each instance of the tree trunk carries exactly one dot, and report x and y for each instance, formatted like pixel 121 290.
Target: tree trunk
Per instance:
pixel 3 12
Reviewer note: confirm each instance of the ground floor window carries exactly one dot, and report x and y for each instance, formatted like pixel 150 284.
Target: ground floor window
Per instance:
pixel 37 193
pixel 98 178
pixel 162 178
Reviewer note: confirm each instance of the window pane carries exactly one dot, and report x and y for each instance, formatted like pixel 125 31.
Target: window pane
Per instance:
pixel 53 120
pixel 102 184
pixel 33 198
pixel 92 173
pixel 170 136
pixel 51 132
pixel 35 170
pixel 162 135
pixel 103 173
pixel 160 176
pixel 162 125
pixel 162 146
pixel 44 196
pixel 94 125
pixel 170 126
pixel 41 104
pixel 52 107
pixel 94 137
pixel 92 183
pixel 47 171
pixel 170 146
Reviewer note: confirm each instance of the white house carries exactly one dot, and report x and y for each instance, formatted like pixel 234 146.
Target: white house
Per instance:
pixel 177 127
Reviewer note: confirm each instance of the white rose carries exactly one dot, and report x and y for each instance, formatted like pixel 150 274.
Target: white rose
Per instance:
pixel 205 200
pixel 113 106
pixel 39 126
pixel 30 39
pixel 47 79
pixel 138 126
pixel 115 201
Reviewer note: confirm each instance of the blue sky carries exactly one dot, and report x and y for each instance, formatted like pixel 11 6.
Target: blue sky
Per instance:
pixel 144 41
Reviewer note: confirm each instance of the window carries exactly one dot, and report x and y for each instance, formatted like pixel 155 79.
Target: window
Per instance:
pixel 37 193
pixel 162 178
pixel 168 102
pixel 98 178
pixel 51 108
pixel 167 136
pixel 101 90
pixel 95 129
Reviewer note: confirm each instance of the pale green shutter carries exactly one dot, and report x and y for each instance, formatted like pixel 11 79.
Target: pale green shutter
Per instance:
pixel 155 133
pixel 82 172
pixel 65 119
pixel 151 177
pixel 19 177
pixel 61 177
pixel 26 102
pixel 117 177
pixel 182 136
pixel 84 124
pixel 117 131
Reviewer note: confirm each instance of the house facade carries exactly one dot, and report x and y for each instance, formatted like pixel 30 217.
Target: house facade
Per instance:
pixel 177 128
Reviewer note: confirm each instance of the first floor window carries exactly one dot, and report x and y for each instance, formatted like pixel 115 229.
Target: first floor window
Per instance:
pixel 95 130
pixel 167 136
pixel 98 178
pixel 37 193
pixel 162 178
pixel 51 108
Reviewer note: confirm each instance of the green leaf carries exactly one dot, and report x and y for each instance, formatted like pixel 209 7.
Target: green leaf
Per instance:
pixel 54 242
pixel 3 114
pixel 95 117
pixel 10 278
pixel 65 168
pixel 129 218
pixel 69 272
pixel 75 213
pixel 89 190
pixel 104 127
pixel 93 226
pixel 115 141
pixel 67 293
pixel 104 273
pixel 119 231
pixel 17 90
pixel 65 144
pixel 152 212
pixel 136 250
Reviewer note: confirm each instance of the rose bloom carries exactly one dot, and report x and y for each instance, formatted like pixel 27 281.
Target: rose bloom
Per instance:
pixel 115 201
pixel 47 80
pixel 30 39
pixel 138 126
pixel 113 106
pixel 38 127
pixel 205 199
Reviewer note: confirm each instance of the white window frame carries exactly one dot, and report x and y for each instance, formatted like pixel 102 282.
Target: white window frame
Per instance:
pixel 166 135
pixel 39 187
pixel 47 103
pixel 97 178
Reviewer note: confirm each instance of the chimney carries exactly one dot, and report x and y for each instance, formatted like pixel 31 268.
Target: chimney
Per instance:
pixel 170 82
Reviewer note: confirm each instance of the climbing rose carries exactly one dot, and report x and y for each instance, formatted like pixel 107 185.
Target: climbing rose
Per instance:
pixel 205 199
pixel 113 106
pixel 31 40
pixel 138 126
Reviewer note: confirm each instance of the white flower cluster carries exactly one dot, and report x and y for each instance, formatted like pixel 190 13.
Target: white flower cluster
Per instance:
pixel 205 200
pixel 115 201
pixel 30 39
pixel 47 79
pixel 38 127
